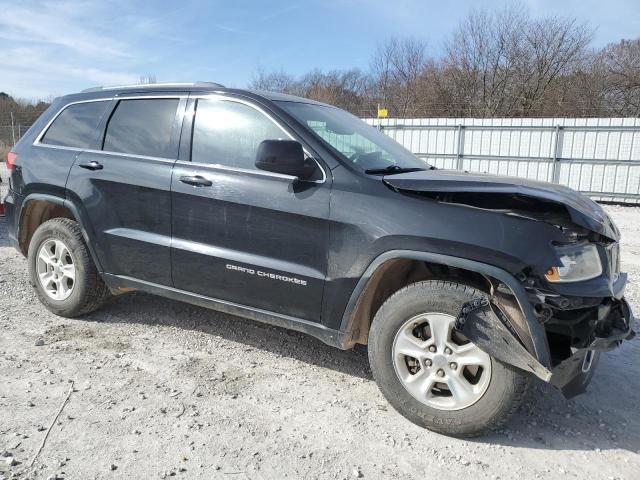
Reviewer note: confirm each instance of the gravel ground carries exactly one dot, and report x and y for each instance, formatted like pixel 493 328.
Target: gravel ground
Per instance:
pixel 162 389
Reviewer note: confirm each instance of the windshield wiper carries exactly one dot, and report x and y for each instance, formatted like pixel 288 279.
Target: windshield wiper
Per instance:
pixel 393 169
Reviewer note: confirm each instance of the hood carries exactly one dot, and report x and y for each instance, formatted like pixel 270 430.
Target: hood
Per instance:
pixel 581 209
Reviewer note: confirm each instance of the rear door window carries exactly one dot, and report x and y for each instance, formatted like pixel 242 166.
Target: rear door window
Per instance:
pixel 142 127
pixel 77 126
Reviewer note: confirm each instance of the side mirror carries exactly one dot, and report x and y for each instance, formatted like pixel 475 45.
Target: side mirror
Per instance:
pixel 285 157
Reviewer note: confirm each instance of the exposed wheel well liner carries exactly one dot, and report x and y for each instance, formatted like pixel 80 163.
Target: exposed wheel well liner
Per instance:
pixel 37 208
pixel 395 274
pixel 393 270
pixel 35 213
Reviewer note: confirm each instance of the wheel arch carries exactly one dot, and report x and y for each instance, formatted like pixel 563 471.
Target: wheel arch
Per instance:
pixel 372 290
pixel 37 208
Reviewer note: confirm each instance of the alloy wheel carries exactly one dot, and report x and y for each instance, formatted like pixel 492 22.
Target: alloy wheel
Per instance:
pixel 437 365
pixel 56 269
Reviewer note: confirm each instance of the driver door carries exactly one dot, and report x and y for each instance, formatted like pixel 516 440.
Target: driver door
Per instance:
pixel 243 235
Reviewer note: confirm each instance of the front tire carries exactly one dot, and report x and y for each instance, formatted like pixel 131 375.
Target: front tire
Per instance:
pixel 430 373
pixel 62 271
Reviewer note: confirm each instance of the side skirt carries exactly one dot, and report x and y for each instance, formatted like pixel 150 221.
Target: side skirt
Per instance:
pixel 329 336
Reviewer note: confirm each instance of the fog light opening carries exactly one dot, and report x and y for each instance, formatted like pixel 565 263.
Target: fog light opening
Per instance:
pixel 586 362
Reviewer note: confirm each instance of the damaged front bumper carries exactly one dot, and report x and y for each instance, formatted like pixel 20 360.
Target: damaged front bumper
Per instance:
pixel 484 323
pixel 573 374
pixel 614 328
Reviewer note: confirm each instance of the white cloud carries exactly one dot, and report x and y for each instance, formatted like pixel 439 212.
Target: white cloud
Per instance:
pixel 50 48
pixel 58 24
pixel 27 72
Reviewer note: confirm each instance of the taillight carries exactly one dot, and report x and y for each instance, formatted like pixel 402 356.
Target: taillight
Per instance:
pixel 11 160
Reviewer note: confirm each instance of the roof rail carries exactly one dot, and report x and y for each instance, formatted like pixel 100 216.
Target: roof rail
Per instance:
pixel 154 85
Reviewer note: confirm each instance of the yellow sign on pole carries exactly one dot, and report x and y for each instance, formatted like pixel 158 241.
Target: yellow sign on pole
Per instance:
pixel 383 112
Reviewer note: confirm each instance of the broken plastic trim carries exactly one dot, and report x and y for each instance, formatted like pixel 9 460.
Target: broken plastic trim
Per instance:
pixel 469 307
pixel 487 327
pixel 573 374
pixel 484 324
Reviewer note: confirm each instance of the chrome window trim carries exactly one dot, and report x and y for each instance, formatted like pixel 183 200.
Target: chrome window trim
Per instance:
pixel 225 98
pixel 59 147
pixel 107 152
pixel 133 155
pixel 247 171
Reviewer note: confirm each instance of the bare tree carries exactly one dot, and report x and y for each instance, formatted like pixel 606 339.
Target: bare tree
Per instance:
pixel 576 94
pixel 619 66
pixel 397 68
pixel 347 89
pixel 502 64
pixel 481 61
pixel 147 79
pixel 16 116
pixel 277 81
pixel 552 48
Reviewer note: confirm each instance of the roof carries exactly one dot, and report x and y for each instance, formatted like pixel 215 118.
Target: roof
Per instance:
pixel 200 87
pixel 153 86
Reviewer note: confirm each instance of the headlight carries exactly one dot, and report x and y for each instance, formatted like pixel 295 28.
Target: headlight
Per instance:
pixel 579 261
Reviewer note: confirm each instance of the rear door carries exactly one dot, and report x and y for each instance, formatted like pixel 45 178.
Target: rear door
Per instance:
pixel 124 186
pixel 73 128
pixel 240 234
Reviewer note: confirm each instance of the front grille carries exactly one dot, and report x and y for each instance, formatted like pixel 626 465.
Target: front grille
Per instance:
pixel 613 252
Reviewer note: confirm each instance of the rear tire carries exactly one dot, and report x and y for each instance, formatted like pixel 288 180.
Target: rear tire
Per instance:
pixel 445 384
pixel 62 271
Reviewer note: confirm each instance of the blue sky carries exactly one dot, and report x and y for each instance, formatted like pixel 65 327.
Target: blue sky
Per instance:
pixel 51 47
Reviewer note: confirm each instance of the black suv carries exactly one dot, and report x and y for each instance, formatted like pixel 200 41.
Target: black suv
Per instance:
pixel 298 214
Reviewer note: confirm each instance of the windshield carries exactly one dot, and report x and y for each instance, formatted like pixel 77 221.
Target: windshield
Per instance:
pixel 360 144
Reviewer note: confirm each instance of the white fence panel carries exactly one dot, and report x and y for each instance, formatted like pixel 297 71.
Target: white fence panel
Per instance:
pixel 598 156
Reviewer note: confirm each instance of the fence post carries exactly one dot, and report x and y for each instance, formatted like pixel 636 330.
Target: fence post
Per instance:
pixel 557 149
pixel 460 152
pixel 13 132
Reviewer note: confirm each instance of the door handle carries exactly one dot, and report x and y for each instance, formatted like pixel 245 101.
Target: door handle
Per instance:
pixel 196 181
pixel 92 165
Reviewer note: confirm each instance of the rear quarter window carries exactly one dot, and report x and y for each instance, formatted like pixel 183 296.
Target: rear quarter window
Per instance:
pixel 77 126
